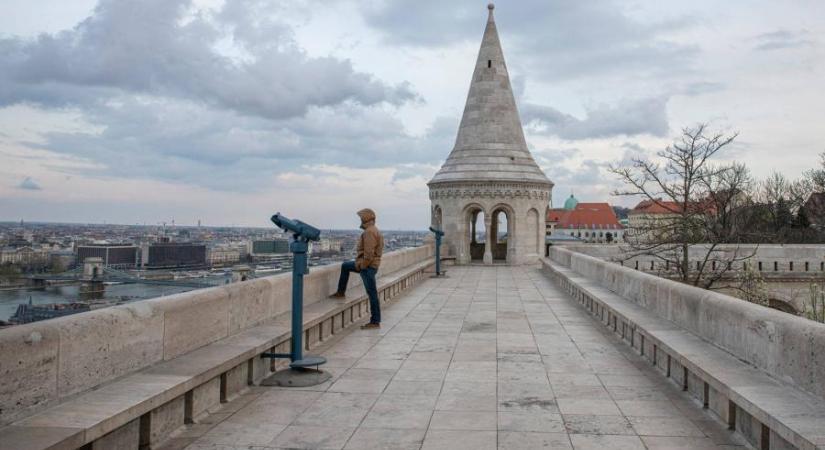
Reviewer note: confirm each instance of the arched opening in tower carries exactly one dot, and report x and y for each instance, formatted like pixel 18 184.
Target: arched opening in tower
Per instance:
pixel 500 234
pixel 478 234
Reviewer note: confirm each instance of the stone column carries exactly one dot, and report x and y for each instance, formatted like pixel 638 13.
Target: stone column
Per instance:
pixel 488 239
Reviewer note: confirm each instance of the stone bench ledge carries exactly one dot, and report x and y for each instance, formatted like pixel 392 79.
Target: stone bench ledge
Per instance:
pixel 798 417
pixel 92 415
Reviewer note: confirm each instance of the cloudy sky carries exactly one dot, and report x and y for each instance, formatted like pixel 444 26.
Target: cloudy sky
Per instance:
pixel 143 111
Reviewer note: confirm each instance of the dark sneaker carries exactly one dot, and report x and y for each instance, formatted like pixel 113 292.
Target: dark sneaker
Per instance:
pixel 371 326
pixel 338 295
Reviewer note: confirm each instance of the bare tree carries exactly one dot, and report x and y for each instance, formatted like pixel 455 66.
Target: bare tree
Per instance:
pixel 816 177
pixel 778 216
pixel 699 200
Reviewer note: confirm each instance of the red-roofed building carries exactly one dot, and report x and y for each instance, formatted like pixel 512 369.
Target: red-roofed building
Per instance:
pixel 590 222
pixel 656 207
pixel 651 216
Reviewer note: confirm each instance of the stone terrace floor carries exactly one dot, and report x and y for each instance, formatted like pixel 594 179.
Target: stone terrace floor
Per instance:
pixel 491 357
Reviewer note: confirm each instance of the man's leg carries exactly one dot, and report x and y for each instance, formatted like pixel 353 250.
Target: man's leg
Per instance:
pixel 368 276
pixel 346 268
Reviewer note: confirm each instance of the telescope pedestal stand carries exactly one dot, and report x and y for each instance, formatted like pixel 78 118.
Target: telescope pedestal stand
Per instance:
pixel 438 272
pixel 303 370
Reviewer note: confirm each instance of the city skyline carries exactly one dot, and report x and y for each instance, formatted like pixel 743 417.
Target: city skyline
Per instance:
pixel 320 109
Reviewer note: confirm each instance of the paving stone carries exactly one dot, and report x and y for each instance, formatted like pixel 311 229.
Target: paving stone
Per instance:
pixel 240 434
pixel 398 417
pixel 672 443
pixel 452 401
pixel 413 387
pixel 602 407
pixel 313 437
pixel 337 410
pixel 521 440
pixel 648 408
pixel 389 401
pixel 591 424
pixel 601 442
pixel 459 440
pixel 463 420
pixel 533 421
pixel 381 439
pixel 665 426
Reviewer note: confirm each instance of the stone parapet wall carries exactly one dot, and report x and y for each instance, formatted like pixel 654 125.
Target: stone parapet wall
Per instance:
pixel 46 362
pixel 797 258
pixel 790 348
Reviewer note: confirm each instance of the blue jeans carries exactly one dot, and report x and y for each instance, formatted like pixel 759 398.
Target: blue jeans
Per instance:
pixel 368 277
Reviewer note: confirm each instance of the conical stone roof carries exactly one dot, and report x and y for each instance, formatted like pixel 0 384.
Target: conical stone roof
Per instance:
pixel 490 145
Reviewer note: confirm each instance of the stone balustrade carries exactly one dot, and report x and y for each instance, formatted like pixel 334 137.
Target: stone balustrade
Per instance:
pixel 155 364
pixel 760 370
pixel 805 260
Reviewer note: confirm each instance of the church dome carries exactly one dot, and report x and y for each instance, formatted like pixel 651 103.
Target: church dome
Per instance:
pixel 570 203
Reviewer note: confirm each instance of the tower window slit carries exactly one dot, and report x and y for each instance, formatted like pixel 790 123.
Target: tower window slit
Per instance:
pixel 489 63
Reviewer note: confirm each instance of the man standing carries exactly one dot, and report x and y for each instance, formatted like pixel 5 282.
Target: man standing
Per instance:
pixel 370 249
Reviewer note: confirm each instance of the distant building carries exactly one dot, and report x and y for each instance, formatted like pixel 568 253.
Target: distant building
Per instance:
pixel 328 245
pixel 650 215
pixel 123 256
pixel 223 256
pixel 586 222
pixel 570 203
pixel 24 256
pixel 270 247
pixel 171 255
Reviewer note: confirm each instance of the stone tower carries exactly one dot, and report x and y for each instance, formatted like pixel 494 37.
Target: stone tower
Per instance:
pixel 491 172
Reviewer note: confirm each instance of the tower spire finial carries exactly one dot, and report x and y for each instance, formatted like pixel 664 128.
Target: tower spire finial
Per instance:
pixel 491 6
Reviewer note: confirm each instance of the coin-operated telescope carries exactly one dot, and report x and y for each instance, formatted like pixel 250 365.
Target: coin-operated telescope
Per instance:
pixel 300 230
pixel 438 235
pixel 300 372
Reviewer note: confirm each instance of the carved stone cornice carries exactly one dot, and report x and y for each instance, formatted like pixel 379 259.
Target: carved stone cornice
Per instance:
pixel 496 189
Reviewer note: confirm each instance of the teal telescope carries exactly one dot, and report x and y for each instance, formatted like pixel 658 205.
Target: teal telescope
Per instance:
pixel 300 230
pixel 302 233
pixel 438 235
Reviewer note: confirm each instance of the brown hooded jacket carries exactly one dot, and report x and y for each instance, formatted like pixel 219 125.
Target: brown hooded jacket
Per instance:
pixel 371 242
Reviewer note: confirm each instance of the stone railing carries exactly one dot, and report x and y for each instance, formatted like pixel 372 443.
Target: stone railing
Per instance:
pixel 788 347
pixel 797 259
pixel 757 369
pixel 46 363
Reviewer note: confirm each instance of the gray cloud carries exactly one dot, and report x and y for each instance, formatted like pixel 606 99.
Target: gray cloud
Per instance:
pixel 701 88
pixel 783 39
pixel 555 39
pixel 29 185
pixel 628 118
pixel 182 141
pixel 151 47
pixel 167 104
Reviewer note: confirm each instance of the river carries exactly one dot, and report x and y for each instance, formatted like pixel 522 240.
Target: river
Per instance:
pixel 67 294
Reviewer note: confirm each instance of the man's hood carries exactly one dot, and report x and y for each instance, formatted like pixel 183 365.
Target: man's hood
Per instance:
pixel 367 215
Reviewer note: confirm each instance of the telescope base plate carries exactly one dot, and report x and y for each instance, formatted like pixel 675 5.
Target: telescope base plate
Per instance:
pixel 308 361
pixel 297 377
